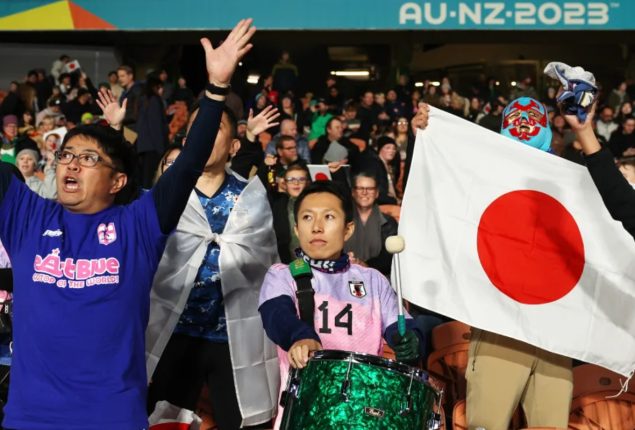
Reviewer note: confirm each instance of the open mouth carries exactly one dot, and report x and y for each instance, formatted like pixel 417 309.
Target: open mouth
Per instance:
pixel 70 184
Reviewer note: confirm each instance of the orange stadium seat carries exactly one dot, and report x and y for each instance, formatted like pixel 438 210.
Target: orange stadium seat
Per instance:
pixel 360 143
pixel 459 418
pixel 592 409
pixel 392 210
pixel 450 344
pixel 459 421
pixel 450 333
pixel 542 428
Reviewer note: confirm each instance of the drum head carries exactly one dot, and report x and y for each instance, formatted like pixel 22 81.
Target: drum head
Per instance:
pixel 333 354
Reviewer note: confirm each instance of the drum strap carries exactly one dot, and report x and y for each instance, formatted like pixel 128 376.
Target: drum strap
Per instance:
pixel 6 279
pixel 301 273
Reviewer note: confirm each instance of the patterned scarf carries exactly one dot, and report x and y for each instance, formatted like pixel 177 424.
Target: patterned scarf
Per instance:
pixel 341 264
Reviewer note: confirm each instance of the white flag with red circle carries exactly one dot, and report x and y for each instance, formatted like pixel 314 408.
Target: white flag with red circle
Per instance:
pixel 517 241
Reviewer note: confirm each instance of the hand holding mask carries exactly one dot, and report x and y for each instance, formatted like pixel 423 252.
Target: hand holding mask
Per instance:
pixel 579 88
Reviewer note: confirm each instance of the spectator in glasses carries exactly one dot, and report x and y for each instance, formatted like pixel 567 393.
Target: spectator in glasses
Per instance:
pixel 168 158
pixel 295 179
pixel 287 154
pixel 366 245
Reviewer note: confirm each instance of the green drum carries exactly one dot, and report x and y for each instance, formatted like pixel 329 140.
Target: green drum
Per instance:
pixel 346 390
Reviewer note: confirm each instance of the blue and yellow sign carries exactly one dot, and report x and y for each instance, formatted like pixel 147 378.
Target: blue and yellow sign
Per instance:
pixel 317 15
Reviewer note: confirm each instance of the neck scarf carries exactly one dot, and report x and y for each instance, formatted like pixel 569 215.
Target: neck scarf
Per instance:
pixel 341 264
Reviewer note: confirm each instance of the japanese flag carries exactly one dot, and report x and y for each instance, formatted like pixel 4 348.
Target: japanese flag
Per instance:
pixel 167 416
pixel 72 66
pixel 516 241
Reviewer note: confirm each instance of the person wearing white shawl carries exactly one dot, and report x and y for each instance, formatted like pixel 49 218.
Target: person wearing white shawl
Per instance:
pixel 247 249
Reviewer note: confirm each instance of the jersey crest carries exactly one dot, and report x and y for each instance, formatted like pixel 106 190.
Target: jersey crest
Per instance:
pixel 357 289
pixel 106 234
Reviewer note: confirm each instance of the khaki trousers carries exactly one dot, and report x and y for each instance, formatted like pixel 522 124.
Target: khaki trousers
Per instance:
pixel 504 372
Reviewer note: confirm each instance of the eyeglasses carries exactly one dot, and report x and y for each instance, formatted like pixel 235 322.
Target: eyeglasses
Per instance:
pixel 85 159
pixel 402 122
pixel 168 163
pixel 364 190
pixel 295 181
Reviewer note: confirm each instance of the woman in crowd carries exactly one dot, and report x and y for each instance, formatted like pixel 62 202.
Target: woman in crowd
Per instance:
pixel 152 127
pixel 27 162
pixel 169 156
pixel 402 135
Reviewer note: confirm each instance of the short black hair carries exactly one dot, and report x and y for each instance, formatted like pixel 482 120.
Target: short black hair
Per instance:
pixel 233 122
pixel 231 116
pixel 284 138
pixel 126 69
pixel 326 187
pixel 330 121
pixel 120 151
pixel 627 161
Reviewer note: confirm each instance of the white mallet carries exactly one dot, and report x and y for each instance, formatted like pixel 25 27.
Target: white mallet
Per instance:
pixel 395 245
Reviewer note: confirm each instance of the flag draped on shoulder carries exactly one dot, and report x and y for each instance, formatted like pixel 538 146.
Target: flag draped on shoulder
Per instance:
pixel 517 241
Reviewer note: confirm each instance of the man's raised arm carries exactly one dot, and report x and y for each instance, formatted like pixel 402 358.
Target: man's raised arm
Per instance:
pixel 173 189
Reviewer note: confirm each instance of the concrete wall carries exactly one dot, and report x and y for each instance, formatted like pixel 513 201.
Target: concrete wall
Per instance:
pixel 18 59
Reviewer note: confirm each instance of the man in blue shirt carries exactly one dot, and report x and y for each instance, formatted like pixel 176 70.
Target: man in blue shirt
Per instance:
pixel 83 267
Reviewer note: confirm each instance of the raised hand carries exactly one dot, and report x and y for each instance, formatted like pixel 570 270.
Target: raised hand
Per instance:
pixel 420 120
pixel 221 62
pixel 584 132
pixel 270 160
pixel 334 166
pixel 113 113
pixel 575 124
pixel 263 121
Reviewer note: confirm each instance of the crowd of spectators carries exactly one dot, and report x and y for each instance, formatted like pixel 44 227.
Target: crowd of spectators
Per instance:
pixel 364 142
pixel 367 138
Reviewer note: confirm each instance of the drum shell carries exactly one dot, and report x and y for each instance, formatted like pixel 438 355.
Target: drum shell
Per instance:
pixel 376 392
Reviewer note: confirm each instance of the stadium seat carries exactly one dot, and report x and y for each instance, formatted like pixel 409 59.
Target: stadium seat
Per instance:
pixel 392 210
pixel 360 143
pixel 542 428
pixel 592 408
pixel 450 345
pixel 459 419
pixel 450 333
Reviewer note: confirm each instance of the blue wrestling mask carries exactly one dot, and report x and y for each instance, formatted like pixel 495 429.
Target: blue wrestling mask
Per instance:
pixel 526 121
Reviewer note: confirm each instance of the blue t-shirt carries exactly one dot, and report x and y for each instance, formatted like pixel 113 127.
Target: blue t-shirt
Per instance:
pixel 81 313
pixel 204 312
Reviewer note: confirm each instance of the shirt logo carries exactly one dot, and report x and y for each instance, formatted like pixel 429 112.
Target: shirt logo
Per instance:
pixel 357 289
pixel 106 233
pixel 52 233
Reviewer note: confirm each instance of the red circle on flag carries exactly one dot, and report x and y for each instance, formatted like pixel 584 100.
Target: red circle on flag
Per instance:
pixel 530 247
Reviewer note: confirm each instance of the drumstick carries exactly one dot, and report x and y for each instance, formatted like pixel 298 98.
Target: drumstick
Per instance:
pixel 395 245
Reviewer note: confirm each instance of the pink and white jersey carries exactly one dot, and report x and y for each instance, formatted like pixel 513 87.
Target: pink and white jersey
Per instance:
pixel 352 309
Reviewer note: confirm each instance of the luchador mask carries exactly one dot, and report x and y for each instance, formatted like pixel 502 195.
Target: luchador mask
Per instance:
pixel 526 121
